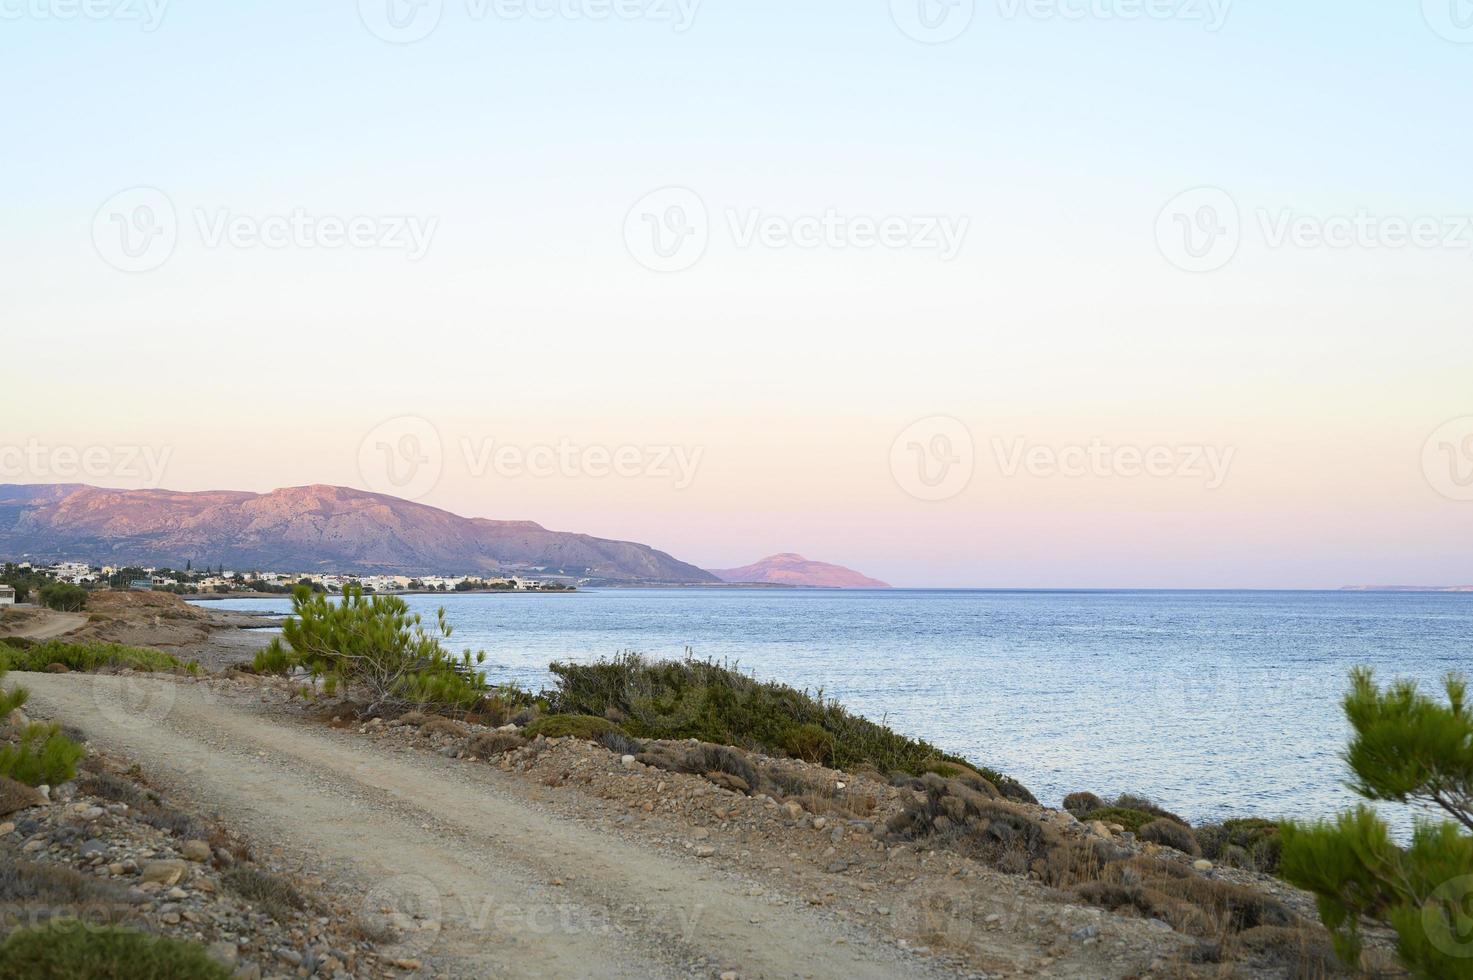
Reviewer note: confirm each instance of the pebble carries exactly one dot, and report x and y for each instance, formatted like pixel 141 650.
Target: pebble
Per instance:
pixel 1202 864
pixel 705 851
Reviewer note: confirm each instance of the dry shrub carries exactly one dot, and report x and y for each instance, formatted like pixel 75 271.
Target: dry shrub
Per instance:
pixel 620 744
pixel 107 786
pixel 491 744
pixel 1169 833
pixel 1082 803
pixel 701 759
pixel 29 883
pixel 443 726
pixel 275 895
pixel 968 820
pixel 415 718
pixel 1305 950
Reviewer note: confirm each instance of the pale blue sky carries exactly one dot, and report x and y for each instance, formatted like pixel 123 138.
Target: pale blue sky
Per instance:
pixel 1059 140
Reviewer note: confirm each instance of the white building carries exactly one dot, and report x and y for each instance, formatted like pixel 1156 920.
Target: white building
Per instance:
pixel 7 595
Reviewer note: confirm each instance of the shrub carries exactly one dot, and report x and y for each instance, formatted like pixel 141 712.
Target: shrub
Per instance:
pixel 377 644
pixel 1408 748
pixel 78 952
pixel 1250 843
pixel 700 760
pixel 30 883
pixel 109 787
pixel 620 743
pixel 41 755
pixel 973 823
pixel 809 742
pixel 63 597
pixel 88 657
pixel 1126 801
pixel 575 726
pixel 276 896
pixel 1081 803
pixel 442 726
pixel 490 744
pixel 1169 833
pixel 1131 820
pixel 716 703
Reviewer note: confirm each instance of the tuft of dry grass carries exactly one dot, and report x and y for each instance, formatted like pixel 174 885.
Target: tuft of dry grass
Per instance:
pixel 1169 833
pixel 275 895
pixel 488 745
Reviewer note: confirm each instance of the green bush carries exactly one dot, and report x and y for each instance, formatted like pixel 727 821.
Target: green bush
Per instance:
pixel 376 644
pixel 41 755
pixel 70 950
pixel 715 703
pixel 1408 748
pixel 1131 820
pixel 1249 842
pixel 87 657
pixel 64 598
pixel 577 726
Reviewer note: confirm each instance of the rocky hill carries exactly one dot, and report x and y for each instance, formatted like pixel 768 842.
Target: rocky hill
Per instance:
pixel 795 570
pixel 305 528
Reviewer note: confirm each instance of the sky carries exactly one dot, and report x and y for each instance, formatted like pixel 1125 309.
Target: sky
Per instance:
pixel 1056 293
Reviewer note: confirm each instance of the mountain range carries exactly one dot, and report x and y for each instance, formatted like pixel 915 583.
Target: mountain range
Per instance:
pixel 305 529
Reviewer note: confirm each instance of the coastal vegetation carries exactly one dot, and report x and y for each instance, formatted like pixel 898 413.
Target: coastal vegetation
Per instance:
pixel 715 702
pixel 26 655
pixel 1411 749
pixel 375 644
pixel 33 753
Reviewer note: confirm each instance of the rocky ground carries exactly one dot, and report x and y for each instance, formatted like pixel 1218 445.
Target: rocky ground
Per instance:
pixel 783 853
pixel 106 848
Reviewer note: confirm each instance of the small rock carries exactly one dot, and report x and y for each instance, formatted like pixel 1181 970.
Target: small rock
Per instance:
pixel 838 867
pixel 223 953
pixel 195 850
pixel 93 847
pixel 1088 932
pixel 705 851
pixel 58 669
pixel 1202 864
pixel 290 955
pixel 164 872
pixel 793 810
pixel 177 894
pixel 627 761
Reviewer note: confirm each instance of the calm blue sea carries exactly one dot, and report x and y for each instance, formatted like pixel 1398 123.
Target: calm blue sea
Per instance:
pixel 1213 703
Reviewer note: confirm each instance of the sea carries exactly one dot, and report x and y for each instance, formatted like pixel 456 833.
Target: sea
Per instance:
pixel 1213 704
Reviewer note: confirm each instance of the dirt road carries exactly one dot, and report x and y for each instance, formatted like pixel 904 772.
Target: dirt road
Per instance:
pixel 503 888
pixel 46 624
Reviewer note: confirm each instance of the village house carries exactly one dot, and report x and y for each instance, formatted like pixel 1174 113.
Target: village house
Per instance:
pixel 7 595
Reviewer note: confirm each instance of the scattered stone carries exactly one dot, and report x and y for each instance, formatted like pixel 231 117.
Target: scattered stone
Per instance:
pixel 93 848
pixel 195 850
pixel 705 851
pixel 164 873
pixel 1202 864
